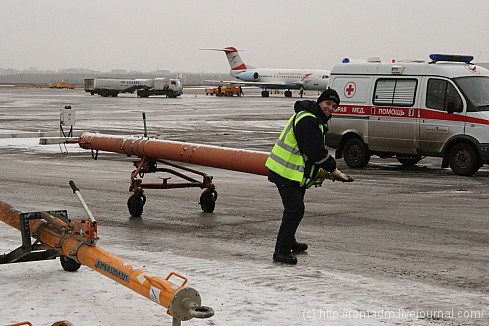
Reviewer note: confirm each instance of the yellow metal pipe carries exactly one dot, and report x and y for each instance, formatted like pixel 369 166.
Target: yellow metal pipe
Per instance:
pixel 183 303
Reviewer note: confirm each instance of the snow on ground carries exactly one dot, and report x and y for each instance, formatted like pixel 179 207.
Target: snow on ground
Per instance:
pixel 242 293
pixel 32 145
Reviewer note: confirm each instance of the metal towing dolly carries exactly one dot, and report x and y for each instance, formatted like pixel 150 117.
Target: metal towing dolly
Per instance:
pixel 136 201
pixel 153 151
pixel 74 241
pixel 149 164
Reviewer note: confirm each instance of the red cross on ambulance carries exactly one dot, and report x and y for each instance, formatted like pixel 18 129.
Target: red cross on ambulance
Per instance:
pixel 350 89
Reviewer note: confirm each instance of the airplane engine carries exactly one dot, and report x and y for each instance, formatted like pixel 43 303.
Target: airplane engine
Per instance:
pixel 249 76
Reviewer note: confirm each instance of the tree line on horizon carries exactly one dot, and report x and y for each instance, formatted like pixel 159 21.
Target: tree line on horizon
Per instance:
pixel 77 78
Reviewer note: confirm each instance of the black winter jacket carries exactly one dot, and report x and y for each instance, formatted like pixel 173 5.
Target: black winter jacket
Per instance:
pixel 310 141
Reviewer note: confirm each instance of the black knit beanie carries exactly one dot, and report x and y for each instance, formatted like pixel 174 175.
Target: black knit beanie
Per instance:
pixel 329 94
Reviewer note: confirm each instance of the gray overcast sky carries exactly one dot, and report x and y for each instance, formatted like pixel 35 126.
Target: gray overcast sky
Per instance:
pixel 144 35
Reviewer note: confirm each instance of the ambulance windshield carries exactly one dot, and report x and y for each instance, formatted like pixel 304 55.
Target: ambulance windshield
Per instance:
pixel 476 88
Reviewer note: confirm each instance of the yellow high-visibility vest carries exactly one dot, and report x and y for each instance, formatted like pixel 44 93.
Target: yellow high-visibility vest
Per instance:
pixel 286 159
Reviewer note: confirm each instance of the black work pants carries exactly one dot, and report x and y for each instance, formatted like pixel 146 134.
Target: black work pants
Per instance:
pixel 293 201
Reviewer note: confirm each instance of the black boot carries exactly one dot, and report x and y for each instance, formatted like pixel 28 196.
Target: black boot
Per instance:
pixel 286 258
pixel 299 247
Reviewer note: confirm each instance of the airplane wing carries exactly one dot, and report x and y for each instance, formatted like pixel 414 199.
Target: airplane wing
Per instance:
pixel 276 85
pixel 224 82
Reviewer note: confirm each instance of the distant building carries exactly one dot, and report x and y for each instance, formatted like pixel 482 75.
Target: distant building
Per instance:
pixel 118 72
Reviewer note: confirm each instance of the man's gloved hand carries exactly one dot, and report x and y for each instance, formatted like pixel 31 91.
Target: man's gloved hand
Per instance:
pixel 338 175
pixel 323 174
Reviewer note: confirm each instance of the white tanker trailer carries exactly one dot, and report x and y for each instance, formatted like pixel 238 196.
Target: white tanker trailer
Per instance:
pixel 143 87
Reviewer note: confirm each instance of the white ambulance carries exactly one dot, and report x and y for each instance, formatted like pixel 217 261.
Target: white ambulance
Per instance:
pixel 410 110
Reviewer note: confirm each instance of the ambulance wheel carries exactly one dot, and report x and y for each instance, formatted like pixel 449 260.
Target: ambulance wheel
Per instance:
pixel 355 153
pixel 463 159
pixel 69 264
pixel 408 161
pixel 135 204
pixel 208 201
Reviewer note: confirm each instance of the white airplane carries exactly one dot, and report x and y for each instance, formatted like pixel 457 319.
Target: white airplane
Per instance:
pixel 309 79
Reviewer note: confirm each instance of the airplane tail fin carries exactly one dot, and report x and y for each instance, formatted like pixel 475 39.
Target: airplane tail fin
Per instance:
pixel 234 59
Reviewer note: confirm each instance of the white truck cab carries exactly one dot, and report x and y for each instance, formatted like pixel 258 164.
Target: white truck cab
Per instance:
pixel 410 110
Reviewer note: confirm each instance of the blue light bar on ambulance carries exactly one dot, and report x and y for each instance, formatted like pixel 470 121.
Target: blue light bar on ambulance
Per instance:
pixel 451 57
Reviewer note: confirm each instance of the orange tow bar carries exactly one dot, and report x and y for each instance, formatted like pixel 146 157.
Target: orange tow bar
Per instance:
pixel 75 242
pixel 219 157
pixel 157 151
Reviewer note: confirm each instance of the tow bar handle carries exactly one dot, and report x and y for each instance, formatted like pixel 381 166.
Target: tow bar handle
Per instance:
pixel 74 187
pixel 76 191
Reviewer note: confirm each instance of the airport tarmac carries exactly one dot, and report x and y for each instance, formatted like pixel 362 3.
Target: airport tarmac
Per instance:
pixel 399 246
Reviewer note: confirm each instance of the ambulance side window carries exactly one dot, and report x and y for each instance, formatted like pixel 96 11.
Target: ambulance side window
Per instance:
pixel 440 94
pixel 396 92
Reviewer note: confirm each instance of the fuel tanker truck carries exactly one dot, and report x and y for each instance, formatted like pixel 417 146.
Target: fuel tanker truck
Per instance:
pixel 105 87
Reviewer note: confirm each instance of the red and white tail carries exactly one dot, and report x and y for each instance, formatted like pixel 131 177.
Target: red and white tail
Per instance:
pixel 234 59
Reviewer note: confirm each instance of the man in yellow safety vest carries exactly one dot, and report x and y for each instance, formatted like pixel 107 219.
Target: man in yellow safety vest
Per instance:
pixel 297 160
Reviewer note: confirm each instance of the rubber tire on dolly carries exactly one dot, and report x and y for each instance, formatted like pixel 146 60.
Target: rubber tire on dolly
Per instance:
pixel 69 264
pixel 208 202
pixel 135 206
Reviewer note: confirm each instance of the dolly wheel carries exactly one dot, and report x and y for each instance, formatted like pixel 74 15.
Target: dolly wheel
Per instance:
pixel 69 264
pixel 208 201
pixel 135 205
